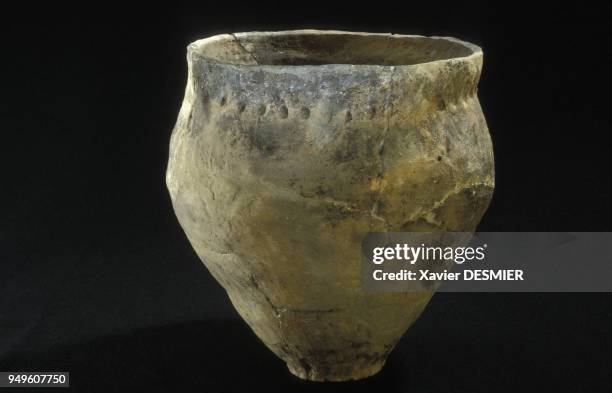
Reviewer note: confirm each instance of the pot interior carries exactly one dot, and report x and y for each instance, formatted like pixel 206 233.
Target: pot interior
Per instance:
pixel 296 48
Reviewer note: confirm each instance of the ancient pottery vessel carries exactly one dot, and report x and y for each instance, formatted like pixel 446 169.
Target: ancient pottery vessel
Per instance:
pixel 290 146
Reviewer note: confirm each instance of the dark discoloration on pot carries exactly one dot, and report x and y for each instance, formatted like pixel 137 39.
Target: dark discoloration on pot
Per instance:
pixel 291 146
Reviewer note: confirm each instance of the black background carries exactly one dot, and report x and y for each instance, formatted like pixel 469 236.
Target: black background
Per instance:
pixel 98 279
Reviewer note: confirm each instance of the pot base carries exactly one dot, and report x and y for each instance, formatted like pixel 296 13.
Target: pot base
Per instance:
pixel 337 372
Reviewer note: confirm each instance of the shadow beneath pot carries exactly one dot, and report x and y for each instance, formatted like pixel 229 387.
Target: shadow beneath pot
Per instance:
pixel 206 356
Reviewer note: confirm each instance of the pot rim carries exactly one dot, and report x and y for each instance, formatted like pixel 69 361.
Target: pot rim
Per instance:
pixel 195 48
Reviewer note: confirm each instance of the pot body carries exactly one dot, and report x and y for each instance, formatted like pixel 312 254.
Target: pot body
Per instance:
pixel 276 173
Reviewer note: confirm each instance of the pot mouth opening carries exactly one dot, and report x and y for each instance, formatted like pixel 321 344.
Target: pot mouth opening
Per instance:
pixel 319 47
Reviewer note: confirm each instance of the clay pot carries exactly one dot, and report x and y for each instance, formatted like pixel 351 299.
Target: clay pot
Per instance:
pixel 291 146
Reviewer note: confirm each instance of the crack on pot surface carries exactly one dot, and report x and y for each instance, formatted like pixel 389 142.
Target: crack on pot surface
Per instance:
pixel 239 42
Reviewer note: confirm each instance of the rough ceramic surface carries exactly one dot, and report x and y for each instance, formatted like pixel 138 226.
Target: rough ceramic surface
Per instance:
pixel 291 146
